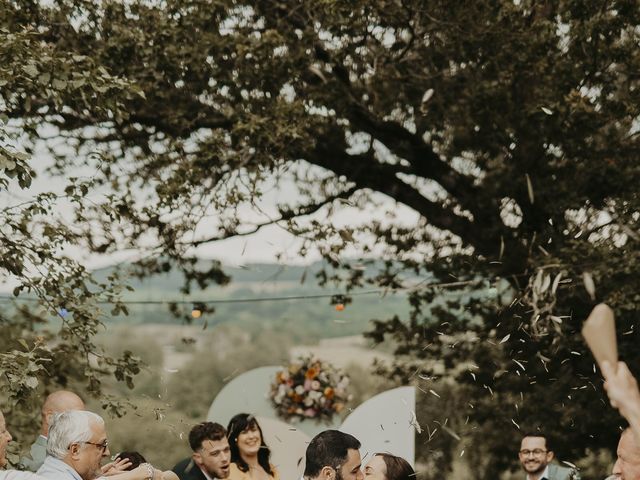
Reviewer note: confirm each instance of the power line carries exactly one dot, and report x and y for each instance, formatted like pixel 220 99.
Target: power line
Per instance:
pixel 380 291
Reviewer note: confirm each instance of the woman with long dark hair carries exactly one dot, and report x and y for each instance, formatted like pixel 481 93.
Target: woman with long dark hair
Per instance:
pixel 249 454
pixel 384 466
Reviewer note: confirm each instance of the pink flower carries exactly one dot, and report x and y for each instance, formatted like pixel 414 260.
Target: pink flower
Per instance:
pixel 308 385
pixel 309 412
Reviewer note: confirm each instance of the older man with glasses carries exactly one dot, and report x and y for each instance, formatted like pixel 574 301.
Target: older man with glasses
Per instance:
pixel 535 457
pixel 76 445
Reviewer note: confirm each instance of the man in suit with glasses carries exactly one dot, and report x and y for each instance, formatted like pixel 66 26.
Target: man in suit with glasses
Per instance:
pixel 535 456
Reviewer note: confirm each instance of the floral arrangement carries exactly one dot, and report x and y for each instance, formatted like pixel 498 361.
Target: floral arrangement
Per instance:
pixel 309 389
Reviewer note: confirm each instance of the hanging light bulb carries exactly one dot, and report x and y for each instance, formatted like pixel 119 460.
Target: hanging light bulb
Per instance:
pixel 196 312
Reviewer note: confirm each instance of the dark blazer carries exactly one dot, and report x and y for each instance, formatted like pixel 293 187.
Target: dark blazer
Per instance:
pixel 188 470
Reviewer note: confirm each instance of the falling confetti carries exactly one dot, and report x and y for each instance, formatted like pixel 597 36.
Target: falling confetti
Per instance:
pixel 589 285
pixel 414 422
pixel 529 188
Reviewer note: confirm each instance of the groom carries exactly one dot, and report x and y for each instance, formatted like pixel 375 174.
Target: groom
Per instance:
pixel 333 455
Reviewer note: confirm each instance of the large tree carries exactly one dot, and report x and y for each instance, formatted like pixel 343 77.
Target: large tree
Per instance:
pixel 510 128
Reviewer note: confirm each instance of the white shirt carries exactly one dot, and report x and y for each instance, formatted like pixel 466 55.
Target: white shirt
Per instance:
pixel 55 469
pixel 545 474
pixel 18 475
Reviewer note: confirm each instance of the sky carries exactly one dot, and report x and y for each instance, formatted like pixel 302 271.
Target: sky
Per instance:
pixel 271 244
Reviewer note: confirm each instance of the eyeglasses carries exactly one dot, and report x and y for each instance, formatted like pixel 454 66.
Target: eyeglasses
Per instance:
pixel 535 452
pixel 102 446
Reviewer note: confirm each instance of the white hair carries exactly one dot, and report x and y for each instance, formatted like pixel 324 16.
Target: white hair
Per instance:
pixel 70 427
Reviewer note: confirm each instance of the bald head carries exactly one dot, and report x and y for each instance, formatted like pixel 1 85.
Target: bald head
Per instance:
pixel 627 466
pixel 58 402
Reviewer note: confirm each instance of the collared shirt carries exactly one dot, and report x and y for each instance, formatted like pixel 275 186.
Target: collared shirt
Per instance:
pixel 206 475
pixel 56 469
pixel 545 474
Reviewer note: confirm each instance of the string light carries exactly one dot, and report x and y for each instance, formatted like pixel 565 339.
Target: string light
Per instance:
pixel 202 303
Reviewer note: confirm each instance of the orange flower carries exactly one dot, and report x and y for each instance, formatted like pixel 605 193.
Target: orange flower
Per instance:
pixel 311 373
pixel 328 392
pixel 338 407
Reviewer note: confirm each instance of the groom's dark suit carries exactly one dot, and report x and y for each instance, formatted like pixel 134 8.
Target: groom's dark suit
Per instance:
pixel 188 470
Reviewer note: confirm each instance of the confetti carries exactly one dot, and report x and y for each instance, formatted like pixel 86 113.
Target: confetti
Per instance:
pixel 414 422
pixel 529 188
pixel 427 95
pixel 589 285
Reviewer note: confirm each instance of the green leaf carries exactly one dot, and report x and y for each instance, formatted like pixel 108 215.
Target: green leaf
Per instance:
pixel 44 78
pixel 30 69
pixel 59 84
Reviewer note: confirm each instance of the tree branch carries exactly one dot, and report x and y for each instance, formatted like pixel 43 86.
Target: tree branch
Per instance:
pixel 284 216
pixel 382 177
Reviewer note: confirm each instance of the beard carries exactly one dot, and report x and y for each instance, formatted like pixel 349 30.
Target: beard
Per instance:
pixel 534 467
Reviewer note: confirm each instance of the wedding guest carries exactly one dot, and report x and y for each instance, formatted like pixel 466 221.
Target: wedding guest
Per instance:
pixel 56 402
pixel 135 459
pixel 211 454
pixel 627 466
pixel 249 453
pixel 5 438
pixel 384 466
pixel 535 457
pixel 76 445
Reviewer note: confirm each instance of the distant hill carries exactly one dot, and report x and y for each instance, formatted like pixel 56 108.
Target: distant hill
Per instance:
pixel 244 301
pixel 251 279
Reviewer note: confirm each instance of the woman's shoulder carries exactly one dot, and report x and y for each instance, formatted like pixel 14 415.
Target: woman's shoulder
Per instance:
pixel 274 469
pixel 236 474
